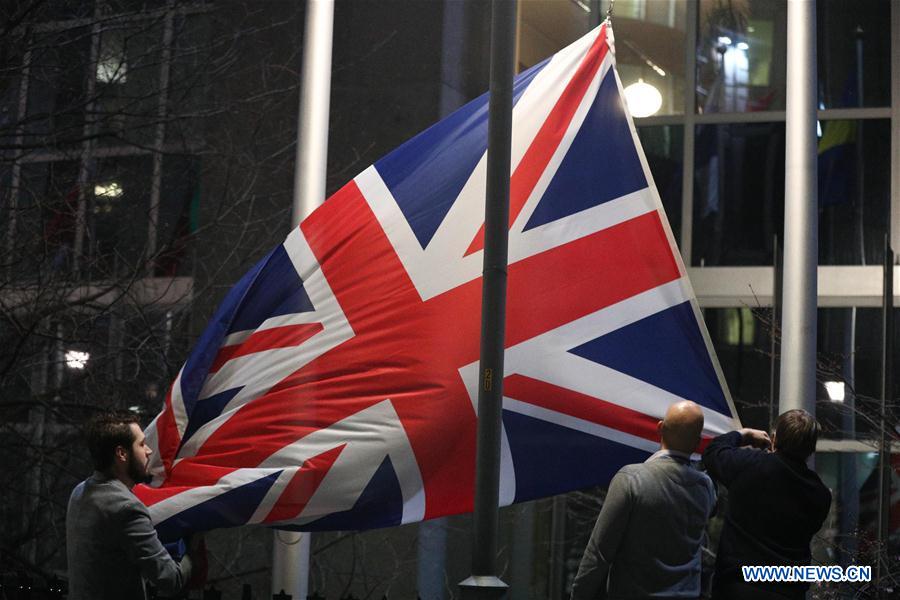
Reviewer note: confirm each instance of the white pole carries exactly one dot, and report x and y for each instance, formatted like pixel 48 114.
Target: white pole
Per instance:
pixel 315 97
pixel 798 362
pixel 290 550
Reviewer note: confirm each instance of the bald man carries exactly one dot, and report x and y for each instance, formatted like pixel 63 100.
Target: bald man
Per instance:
pixel 646 542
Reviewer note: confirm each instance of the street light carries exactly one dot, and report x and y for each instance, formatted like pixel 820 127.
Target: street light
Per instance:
pixel 836 390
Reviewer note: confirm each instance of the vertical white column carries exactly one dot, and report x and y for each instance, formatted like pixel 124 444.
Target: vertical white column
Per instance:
pixel 291 550
pixel 798 321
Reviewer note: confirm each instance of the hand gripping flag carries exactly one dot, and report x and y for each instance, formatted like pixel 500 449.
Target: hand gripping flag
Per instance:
pixel 336 386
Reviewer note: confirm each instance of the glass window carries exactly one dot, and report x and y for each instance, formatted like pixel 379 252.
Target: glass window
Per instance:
pixel 118 215
pixel 738 193
pixel 84 357
pixel 179 210
pixel 146 347
pixel 547 26
pixel 663 146
pixel 854 191
pixel 742 342
pixel 848 533
pixel 127 82
pixel 848 388
pixel 193 52
pixel 650 39
pixel 20 373
pixel 849 371
pixel 61 10
pixel 854 48
pixel 741 49
pixel 56 96
pixel 46 209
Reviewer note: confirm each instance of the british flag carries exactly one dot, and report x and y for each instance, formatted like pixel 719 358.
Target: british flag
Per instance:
pixel 336 386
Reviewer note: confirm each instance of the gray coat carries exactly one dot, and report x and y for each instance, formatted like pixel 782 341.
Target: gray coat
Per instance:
pixel 646 542
pixel 112 547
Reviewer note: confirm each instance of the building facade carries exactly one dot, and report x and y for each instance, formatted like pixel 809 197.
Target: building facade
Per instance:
pixel 146 161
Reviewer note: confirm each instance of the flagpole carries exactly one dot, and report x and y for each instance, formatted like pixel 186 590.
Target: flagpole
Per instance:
pixel 483 582
pixel 882 567
pixel 798 347
pixel 291 549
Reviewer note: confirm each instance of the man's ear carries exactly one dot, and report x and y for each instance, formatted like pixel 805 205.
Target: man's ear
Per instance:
pixel 659 428
pixel 121 454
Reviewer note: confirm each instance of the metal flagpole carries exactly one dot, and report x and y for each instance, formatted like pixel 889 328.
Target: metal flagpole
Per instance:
pixel 798 347
pixel 774 340
pixel 290 550
pixel 484 583
pixel 887 394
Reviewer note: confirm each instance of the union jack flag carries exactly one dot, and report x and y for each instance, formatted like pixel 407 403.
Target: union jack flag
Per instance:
pixel 336 386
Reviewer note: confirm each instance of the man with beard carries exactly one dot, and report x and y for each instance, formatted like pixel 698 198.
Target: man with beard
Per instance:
pixel 112 547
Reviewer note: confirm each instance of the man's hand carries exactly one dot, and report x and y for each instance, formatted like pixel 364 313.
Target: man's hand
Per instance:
pixel 756 438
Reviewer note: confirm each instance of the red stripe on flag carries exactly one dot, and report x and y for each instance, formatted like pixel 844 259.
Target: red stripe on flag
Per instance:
pixel 151 495
pixel 167 437
pixel 545 143
pixel 302 486
pixel 267 339
pixel 587 275
pixel 584 407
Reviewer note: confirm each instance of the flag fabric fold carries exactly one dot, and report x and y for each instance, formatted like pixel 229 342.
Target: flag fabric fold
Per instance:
pixel 336 385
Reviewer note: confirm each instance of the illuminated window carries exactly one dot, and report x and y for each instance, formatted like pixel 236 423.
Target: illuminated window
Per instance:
pixel 112 66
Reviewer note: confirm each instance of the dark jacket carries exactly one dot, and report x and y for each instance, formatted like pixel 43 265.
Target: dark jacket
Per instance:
pixel 775 506
pixel 112 547
pixel 646 542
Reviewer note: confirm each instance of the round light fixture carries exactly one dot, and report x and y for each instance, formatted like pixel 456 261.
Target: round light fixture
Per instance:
pixel 643 99
pixel 836 390
pixel 76 359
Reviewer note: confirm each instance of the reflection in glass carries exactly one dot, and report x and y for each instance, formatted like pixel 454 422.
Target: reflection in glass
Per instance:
pixel 741 55
pixel 118 217
pixel 127 83
pixel 854 202
pixel 739 193
pixel 46 220
pixel 740 337
pixel 849 355
pixel 179 209
pixel 850 530
pixel 547 26
pixel 650 38
pixel 663 148
pixel 854 48
pixel 56 94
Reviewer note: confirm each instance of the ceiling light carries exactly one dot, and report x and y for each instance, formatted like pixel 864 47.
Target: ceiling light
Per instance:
pixel 643 99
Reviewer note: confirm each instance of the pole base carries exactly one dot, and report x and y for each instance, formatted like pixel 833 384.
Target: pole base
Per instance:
pixel 482 587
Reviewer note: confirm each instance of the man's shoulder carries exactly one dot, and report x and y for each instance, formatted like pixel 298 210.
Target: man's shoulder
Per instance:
pixel 110 495
pixel 631 472
pixel 664 470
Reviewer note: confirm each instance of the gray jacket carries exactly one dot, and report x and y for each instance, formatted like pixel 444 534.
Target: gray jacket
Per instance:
pixel 646 542
pixel 112 547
